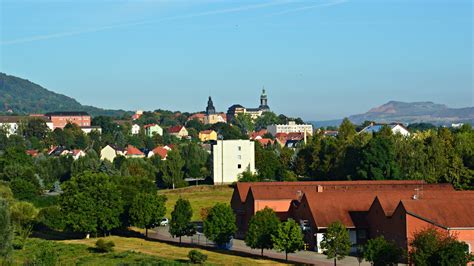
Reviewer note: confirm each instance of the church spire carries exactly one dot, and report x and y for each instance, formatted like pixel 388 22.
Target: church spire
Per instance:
pixel 210 109
pixel 264 101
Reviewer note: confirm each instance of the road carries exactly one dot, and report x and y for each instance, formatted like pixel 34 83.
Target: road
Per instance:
pixel 301 257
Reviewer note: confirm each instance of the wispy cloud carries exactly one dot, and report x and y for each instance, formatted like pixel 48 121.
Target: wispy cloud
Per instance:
pixel 308 7
pixel 180 17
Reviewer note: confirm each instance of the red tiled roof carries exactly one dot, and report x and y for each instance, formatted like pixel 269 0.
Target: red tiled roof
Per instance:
pixel 32 153
pixel 75 152
pixel 149 125
pixel 242 188
pixel 133 151
pixel 198 116
pixel 175 129
pixel 448 212
pixel 265 141
pixel 161 151
pixel 260 133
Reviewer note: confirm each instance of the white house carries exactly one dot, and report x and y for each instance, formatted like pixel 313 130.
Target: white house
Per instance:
pixel 135 129
pixel 231 158
pixel 291 127
pixel 153 129
pixel 395 127
pixel 110 152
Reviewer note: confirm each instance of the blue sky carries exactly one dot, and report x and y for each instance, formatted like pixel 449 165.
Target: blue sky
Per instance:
pixel 319 59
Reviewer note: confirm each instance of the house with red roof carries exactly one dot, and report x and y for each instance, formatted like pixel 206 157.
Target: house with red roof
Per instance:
pixel 265 142
pixel 153 129
pixel 132 152
pixel 178 131
pixel 161 151
pixel 207 135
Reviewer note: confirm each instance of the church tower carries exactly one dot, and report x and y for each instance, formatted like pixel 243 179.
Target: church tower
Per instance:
pixel 264 101
pixel 210 109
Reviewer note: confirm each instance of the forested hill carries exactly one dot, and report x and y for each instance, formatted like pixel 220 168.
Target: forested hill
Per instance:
pixel 24 97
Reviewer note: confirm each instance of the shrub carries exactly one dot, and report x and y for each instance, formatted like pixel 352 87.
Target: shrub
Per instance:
pixel 51 217
pixel 197 257
pixel 104 246
pixel 23 189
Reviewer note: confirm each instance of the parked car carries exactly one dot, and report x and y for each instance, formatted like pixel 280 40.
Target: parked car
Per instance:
pixel 164 222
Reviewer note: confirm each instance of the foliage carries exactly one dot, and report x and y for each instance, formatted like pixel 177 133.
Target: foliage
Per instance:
pixel 219 225
pixel 172 170
pixel 261 228
pixel 336 241
pixel 244 123
pixel 147 210
pixel 195 161
pixel 91 203
pixel 380 252
pixel 180 224
pixel 433 247
pixel 51 217
pixel 197 257
pixel 6 230
pixel 266 119
pixel 138 167
pixel 288 238
pixel 23 189
pixel 23 215
pixel 104 246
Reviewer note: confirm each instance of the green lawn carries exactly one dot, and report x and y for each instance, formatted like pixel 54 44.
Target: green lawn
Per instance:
pixel 200 197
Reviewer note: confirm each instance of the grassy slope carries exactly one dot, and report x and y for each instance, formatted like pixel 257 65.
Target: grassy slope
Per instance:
pixel 171 252
pixel 199 197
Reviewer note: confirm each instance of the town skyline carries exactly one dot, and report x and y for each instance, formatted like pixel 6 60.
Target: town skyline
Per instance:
pixel 327 55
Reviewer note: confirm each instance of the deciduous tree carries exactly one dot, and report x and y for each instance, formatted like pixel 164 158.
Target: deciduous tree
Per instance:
pixel 336 242
pixel 147 210
pixel 219 225
pixel 288 238
pixel 261 228
pixel 180 224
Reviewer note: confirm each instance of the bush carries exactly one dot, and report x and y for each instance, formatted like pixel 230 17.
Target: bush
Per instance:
pixel 104 246
pixel 52 218
pixel 23 189
pixel 197 257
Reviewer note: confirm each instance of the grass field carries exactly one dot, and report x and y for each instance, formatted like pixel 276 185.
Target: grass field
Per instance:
pixel 200 197
pixel 127 251
pixel 172 253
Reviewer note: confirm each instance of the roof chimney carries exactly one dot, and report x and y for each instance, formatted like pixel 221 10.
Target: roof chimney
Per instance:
pixel 320 189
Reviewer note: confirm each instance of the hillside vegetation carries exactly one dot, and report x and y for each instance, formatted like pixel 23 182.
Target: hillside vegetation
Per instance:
pixel 24 97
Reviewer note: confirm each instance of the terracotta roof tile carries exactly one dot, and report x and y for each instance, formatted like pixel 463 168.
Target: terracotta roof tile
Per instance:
pixel 133 151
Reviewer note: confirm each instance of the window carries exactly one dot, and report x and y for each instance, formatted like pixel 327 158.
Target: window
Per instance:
pixel 239 148
pixel 239 166
pixel 239 157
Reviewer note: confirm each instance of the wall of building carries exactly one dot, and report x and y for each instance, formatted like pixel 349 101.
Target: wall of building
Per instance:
pixel 62 121
pixel 290 128
pixel 231 158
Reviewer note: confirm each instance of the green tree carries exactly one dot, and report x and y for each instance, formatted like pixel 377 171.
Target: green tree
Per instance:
pixel 266 119
pixel 336 242
pixel 91 203
pixel 138 167
pixel 172 170
pixel 6 230
pixel 180 224
pixel 288 238
pixel 23 215
pixel 147 210
pixel 244 123
pixel 88 163
pixel 378 159
pixel 267 163
pixel 433 247
pixel 219 225
pixel 261 228
pixel 195 160
pixel 24 189
pixel 381 252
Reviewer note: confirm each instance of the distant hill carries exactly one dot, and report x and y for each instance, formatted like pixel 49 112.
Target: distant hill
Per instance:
pixel 25 97
pixel 408 113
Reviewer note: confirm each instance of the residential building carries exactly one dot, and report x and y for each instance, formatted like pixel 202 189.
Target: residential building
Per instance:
pixel 137 115
pixel 61 119
pixel 207 135
pixel 230 158
pixel 109 153
pixel 265 141
pixel 11 124
pixel 258 134
pixel 254 113
pixel 135 130
pixel 152 129
pixel 161 151
pixel 178 131
pixel 132 152
pixel 76 154
pixel 291 127
pixel 395 127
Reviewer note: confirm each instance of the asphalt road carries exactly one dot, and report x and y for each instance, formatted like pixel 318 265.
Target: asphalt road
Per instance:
pixel 301 257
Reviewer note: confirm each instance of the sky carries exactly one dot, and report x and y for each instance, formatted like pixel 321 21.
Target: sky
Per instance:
pixel 319 60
